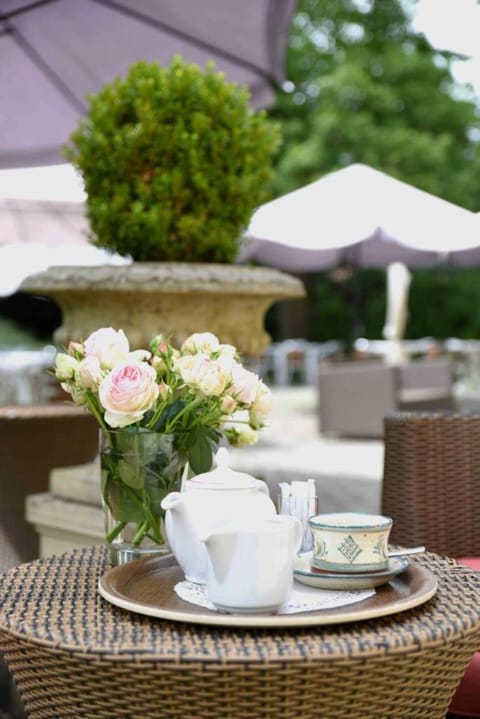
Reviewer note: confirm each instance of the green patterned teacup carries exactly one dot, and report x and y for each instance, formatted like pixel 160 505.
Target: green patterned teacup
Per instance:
pixel 350 542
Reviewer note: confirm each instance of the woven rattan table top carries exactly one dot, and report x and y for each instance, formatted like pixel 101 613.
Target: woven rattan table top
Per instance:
pixel 54 602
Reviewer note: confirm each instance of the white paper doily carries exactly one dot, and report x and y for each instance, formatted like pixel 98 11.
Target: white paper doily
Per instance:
pixel 302 599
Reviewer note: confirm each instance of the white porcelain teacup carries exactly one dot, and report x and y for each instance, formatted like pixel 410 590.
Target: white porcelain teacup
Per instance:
pixel 350 541
pixel 250 563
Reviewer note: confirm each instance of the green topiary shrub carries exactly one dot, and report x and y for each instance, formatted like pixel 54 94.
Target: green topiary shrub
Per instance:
pixel 174 163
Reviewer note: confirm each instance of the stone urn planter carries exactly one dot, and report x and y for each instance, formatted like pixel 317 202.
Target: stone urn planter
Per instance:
pixel 176 299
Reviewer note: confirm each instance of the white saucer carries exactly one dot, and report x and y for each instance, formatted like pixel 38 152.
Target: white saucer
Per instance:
pixel 305 574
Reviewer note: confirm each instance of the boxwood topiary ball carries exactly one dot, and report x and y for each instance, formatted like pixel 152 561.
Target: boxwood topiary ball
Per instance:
pixel 174 162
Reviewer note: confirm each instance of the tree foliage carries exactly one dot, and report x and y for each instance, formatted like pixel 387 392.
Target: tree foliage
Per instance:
pixel 368 89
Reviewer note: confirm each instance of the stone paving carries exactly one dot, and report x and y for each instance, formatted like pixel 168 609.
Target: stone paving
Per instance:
pixel 348 472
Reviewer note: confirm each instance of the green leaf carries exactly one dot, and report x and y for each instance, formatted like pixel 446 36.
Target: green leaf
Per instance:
pixel 213 434
pixel 168 415
pixel 125 503
pixel 200 454
pixel 130 472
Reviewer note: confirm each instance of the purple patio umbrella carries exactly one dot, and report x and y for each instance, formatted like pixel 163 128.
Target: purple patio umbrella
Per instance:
pixel 54 52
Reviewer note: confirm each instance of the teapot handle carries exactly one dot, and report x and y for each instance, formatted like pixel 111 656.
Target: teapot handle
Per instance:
pixel 262 487
pixel 296 524
pixel 298 529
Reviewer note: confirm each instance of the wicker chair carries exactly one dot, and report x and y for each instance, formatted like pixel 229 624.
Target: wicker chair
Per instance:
pixel 431 489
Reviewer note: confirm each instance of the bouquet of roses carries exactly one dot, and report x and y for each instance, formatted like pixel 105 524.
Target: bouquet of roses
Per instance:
pixel 160 410
pixel 199 392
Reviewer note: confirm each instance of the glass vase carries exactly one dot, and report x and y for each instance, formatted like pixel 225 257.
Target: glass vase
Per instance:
pixel 138 468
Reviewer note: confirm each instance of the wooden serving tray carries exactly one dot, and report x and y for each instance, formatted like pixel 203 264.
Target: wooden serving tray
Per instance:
pixel 146 586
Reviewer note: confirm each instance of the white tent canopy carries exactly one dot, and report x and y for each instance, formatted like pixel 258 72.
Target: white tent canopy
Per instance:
pixel 43 223
pixel 361 216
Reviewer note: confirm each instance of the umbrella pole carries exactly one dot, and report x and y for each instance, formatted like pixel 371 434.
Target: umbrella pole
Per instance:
pixel 356 297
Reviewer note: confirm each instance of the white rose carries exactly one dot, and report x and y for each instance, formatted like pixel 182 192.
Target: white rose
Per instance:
pixel 159 365
pixel 227 351
pixel 244 384
pixel 89 373
pixel 139 356
pixel 242 436
pixel 164 391
pixel 200 342
pixel 203 373
pixel 66 367
pixel 108 346
pixel 261 405
pixel 212 379
pixel 78 395
pixel 188 367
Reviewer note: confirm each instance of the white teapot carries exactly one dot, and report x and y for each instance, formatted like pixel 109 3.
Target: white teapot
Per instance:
pixel 216 496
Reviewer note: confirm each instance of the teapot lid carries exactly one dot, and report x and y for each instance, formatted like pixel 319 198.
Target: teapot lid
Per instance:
pixel 222 477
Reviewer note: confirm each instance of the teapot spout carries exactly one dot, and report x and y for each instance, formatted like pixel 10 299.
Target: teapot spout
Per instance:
pixel 172 501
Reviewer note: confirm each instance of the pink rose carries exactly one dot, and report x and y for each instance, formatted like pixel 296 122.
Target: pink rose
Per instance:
pixel 75 349
pixel 228 404
pixel 127 392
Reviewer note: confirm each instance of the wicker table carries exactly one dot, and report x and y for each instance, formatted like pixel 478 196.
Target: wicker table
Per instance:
pixel 76 656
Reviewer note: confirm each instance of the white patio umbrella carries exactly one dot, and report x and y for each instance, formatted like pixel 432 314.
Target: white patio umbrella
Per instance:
pixel 360 216
pixel 365 218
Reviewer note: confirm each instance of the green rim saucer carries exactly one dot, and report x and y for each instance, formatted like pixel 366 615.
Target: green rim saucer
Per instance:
pixel 313 577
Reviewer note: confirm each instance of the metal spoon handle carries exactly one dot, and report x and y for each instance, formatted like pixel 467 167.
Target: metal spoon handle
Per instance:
pixel 403 552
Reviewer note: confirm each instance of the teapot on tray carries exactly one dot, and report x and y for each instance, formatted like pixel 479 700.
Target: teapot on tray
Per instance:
pixel 221 495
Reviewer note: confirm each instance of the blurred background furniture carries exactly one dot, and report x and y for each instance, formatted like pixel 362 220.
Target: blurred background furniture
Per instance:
pixel 295 361
pixel 379 348
pixel 34 440
pixel 355 396
pixel 82 657
pixel 431 489
pixel 24 376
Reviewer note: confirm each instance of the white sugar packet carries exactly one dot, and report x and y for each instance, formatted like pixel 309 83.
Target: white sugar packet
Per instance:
pixel 299 499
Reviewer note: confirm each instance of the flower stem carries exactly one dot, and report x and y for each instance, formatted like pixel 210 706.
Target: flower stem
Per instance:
pixel 92 405
pixel 116 531
pixel 141 531
pixel 187 408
